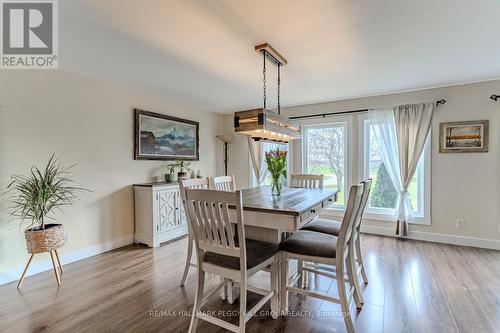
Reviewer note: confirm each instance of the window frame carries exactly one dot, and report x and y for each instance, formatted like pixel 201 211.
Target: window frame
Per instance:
pixel 347 122
pixel 355 167
pixel 422 215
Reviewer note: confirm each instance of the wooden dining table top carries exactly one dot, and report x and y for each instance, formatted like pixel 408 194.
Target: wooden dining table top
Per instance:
pixel 292 201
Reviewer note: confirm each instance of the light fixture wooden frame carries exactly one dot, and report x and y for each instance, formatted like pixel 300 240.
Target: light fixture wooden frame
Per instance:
pixel 274 56
pixel 262 124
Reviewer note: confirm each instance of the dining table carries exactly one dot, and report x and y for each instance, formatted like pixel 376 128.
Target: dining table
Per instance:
pixel 267 217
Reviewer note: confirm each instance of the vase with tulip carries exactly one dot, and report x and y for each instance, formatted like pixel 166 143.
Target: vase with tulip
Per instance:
pixel 276 164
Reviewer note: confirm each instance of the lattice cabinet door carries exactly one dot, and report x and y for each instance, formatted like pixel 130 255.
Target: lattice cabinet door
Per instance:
pixel 168 214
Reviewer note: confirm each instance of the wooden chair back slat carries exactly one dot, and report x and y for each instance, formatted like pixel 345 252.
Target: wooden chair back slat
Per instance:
pixel 230 233
pixel 364 201
pixel 350 215
pixel 307 180
pixel 222 226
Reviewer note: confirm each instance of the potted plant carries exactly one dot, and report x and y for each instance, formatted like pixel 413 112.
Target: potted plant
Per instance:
pixel 183 167
pixel 276 164
pixel 35 198
pixel 169 176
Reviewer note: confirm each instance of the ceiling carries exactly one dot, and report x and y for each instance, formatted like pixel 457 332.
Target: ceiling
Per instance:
pixel 200 53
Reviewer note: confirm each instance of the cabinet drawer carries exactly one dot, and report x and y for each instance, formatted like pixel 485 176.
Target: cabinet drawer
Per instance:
pixel 328 202
pixel 310 213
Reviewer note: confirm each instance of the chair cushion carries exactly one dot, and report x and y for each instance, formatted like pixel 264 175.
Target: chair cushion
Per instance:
pixel 325 226
pixel 257 252
pixel 310 243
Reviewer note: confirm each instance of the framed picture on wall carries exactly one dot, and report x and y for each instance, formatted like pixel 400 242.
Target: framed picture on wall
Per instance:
pixel 161 137
pixel 464 137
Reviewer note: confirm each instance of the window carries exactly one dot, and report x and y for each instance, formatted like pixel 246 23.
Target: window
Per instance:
pixel 345 150
pixel 324 149
pixel 383 195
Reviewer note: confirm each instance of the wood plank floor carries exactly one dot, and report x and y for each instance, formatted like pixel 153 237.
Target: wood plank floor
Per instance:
pixel 414 287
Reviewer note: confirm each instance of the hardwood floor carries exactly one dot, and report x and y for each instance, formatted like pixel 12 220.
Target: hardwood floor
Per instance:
pixel 414 287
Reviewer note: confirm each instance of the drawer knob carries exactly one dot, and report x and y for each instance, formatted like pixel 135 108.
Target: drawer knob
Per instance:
pixel 313 210
pixel 330 199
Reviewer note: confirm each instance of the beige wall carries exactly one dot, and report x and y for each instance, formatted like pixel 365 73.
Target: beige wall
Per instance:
pixel 463 185
pixel 90 123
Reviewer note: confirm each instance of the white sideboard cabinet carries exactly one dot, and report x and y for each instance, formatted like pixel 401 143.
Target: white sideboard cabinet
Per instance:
pixel 159 213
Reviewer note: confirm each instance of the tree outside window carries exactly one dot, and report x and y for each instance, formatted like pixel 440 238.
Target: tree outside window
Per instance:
pixel 325 146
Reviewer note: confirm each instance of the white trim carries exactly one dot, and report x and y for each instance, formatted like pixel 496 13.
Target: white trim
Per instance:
pixel 483 243
pixel 66 258
pixel 336 213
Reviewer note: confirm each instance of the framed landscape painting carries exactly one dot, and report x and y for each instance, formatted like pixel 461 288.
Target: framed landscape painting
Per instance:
pixel 161 137
pixel 464 136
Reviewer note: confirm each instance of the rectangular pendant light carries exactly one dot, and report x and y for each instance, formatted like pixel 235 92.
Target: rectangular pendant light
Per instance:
pixel 263 124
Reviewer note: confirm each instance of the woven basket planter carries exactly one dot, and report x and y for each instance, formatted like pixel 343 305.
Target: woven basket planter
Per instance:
pixel 47 240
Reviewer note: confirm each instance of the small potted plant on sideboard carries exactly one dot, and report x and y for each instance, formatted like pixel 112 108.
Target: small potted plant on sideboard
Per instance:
pixel 170 175
pixel 183 167
pixel 34 198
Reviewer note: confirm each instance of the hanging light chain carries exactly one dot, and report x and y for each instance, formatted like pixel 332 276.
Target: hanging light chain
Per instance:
pixel 279 84
pixel 264 76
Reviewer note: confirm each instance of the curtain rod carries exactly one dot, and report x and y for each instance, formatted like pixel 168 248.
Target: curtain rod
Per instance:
pixel 441 101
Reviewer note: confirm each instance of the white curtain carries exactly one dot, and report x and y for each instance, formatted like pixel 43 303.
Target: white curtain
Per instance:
pixel 402 132
pixel 258 160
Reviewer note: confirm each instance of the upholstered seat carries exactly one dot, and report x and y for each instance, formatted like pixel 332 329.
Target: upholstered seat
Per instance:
pixel 310 243
pixel 325 226
pixel 257 252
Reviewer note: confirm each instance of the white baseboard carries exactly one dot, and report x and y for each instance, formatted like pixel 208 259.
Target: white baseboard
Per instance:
pixel 66 258
pixel 492 244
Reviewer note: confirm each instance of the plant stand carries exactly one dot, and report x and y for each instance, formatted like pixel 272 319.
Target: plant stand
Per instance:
pixel 56 263
pixel 43 241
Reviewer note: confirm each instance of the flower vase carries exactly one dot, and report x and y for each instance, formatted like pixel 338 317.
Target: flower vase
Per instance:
pixel 276 187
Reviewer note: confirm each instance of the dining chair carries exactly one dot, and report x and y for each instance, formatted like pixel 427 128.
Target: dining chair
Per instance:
pixel 223 183
pixel 321 248
pixel 229 254
pixel 198 183
pixel 305 180
pixel 332 227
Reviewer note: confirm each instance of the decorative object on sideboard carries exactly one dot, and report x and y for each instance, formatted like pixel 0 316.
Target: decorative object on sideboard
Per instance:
pixel 34 199
pixel 183 167
pixel 198 174
pixel 464 136
pixel 161 137
pixel 170 175
pixel 262 124
pixel 495 97
pixel 276 164
pixel 227 139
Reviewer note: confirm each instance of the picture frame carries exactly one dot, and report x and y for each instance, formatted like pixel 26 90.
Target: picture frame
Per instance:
pixel 464 136
pixel 166 138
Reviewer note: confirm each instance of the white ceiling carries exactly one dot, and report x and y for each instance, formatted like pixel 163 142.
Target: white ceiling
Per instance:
pixel 200 53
